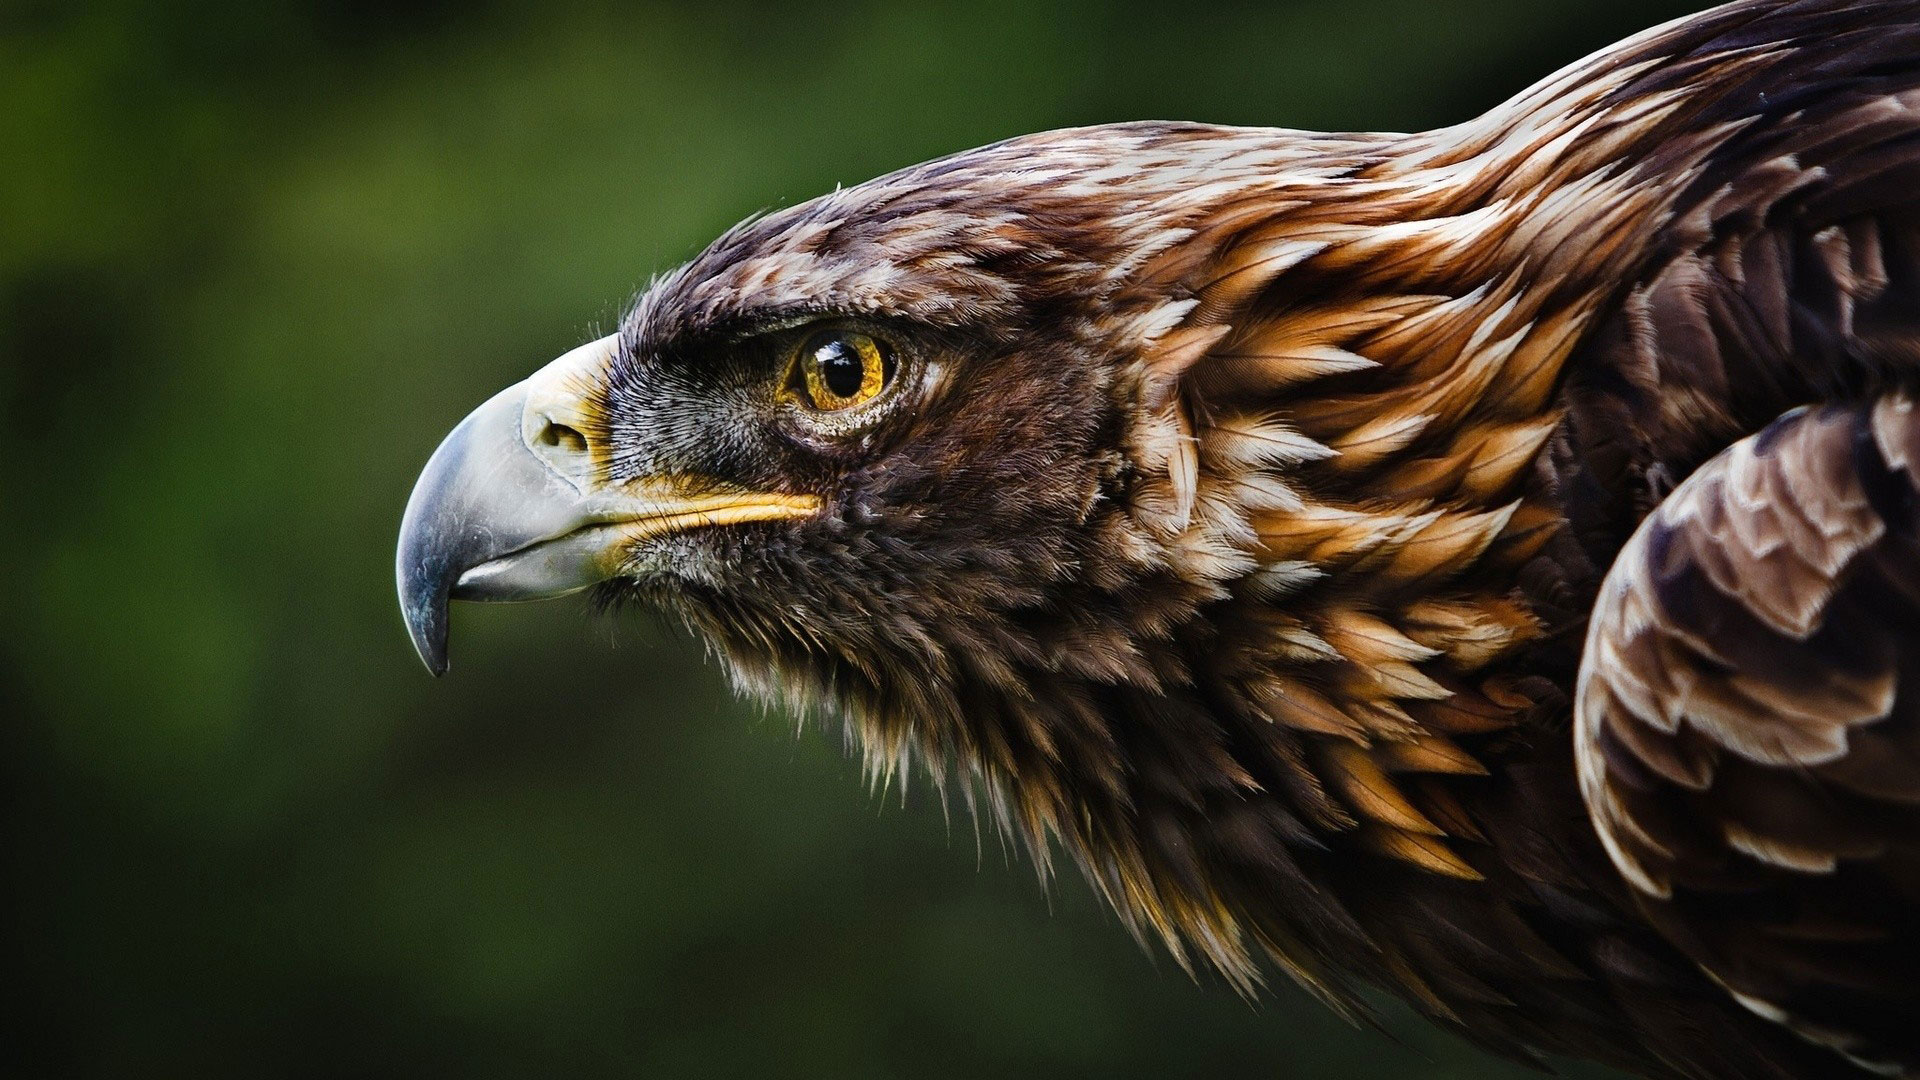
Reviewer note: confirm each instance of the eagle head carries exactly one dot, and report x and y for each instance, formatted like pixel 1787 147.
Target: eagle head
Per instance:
pixel 914 448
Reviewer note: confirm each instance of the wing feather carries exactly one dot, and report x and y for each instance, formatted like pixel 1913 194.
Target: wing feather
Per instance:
pixel 1748 723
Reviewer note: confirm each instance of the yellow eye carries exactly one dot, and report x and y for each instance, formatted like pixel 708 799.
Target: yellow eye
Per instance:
pixel 838 369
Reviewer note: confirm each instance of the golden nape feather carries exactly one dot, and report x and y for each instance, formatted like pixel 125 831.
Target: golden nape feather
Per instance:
pixel 1229 509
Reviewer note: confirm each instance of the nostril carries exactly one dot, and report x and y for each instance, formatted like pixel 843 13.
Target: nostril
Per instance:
pixel 564 438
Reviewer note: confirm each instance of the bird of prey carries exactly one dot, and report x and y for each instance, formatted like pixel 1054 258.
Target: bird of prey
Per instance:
pixel 1482 564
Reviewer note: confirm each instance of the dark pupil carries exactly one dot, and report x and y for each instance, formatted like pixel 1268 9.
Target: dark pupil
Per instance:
pixel 840 368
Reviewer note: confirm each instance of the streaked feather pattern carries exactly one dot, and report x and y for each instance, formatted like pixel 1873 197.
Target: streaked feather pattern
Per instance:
pixel 1279 473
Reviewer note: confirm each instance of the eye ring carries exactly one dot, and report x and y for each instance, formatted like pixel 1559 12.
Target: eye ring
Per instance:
pixel 836 370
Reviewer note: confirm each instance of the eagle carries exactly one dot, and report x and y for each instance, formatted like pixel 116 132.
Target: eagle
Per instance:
pixel 1481 565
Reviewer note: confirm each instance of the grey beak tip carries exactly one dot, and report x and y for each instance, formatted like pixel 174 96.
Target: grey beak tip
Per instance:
pixel 423 605
pixel 437 538
pixel 430 641
pixel 429 561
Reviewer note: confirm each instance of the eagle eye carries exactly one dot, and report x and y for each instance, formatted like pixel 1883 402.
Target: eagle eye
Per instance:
pixel 839 369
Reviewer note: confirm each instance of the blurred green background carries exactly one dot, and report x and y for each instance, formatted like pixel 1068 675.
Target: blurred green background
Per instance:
pixel 255 258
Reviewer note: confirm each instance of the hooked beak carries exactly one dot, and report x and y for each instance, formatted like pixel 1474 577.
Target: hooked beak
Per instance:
pixel 514 505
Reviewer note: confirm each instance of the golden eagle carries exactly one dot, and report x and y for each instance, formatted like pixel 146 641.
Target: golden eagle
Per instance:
pixel 1483 563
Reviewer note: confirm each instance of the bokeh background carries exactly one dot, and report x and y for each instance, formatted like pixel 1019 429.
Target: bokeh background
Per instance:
pixel 255 258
